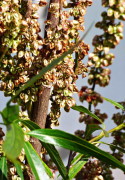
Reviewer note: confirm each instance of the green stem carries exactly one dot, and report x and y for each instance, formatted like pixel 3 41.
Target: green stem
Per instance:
pixel 117 128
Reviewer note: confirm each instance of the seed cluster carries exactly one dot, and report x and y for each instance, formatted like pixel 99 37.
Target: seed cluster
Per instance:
pixel 99 74
pixel 19 51
pixel 24 52
pixel 119 136
pixel 113 33
pixel 91 171
pixel 87 94
pixel 66 73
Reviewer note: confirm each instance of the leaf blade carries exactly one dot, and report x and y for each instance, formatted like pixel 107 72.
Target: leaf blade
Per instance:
pixel 19 169
pixel 85 110
pixel 14 141
pixel 115 103
pixel 74 143
pixel 112 145
pixel 10 113
pixel 56 159
pixel 50 149
pixel 75 169
pixel 3 168
pixel 35 163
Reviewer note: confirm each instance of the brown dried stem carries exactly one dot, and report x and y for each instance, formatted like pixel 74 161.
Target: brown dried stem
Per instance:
pixel 40 107
pixel 29 8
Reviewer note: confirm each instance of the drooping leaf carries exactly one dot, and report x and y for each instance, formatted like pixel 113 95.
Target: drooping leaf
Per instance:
pixel 74 143
pixel 85 110
pixel 49 67
pixel 75 169
pixel 3 168
pixel 19 169
pixel 113 146
pixel 56 159
pixel 10 113
pixel 14 141
pixel 35 162
pixel 115 103
pixel 47 169
pixel 50 149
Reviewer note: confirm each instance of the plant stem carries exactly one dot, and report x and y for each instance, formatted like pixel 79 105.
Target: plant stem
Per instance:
pixel 117 128
pixel 40 107
pixel 71 156
pixel 29 8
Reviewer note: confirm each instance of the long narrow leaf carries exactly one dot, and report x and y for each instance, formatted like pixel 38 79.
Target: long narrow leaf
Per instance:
pixel 3 168
pixel 74 143
pixel 76 159
pixel 47 169
pixel 50 149
pixel 56 159
pixel 75 169
pixel 112 145
pixel 14 141
pixel 35 163
pixel 85 110
pixel 19 169
pixel 115 103
pixel 30 124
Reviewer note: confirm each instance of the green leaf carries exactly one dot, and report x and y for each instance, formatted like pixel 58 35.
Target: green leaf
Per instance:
pixel 30 124
pixel 49 67
pixel 3 168
pixel 19 169
pixel 80 157
pixel 56 159
pixel 14 141
pixel 47 169
pixel 112 145
pixel 35 162
pixel 115 103
pixel 50 149
pixel 76 159
pixel 74 143
pixel 91 128
pixel 10 113
pixel 85 110
pixel 75 169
